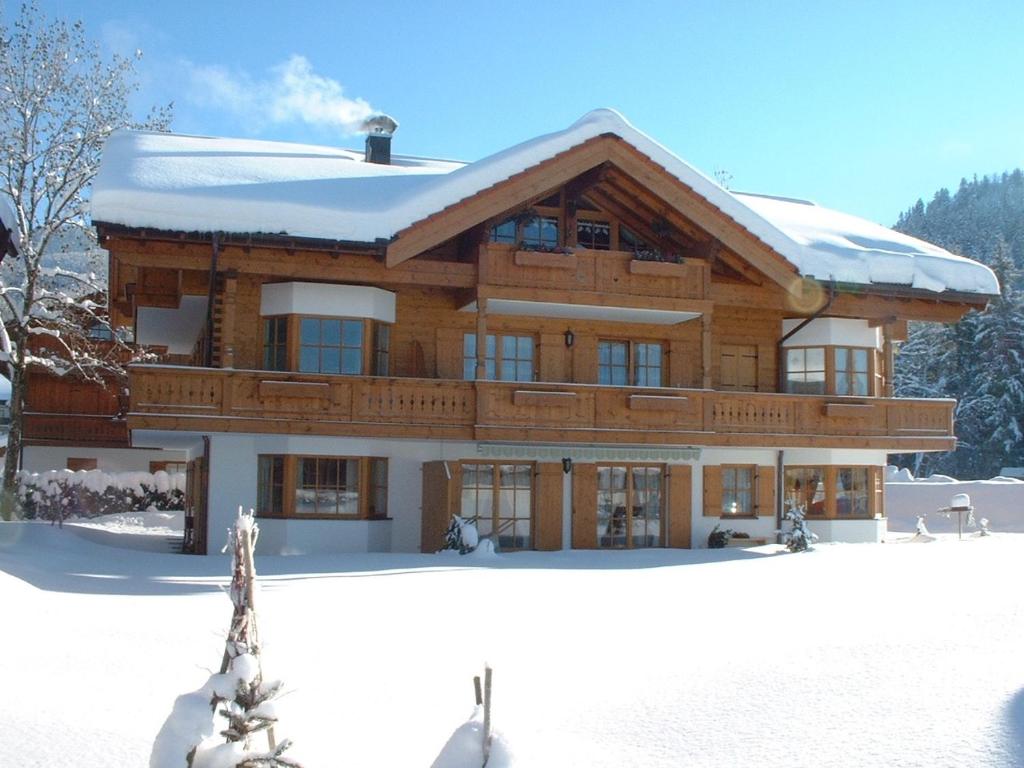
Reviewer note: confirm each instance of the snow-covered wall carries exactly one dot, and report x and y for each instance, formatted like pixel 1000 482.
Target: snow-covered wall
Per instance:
pixel 1001 501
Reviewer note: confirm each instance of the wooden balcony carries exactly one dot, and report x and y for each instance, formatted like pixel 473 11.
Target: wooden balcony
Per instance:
pixel 75 429
pixel 220 400
pixel 615 272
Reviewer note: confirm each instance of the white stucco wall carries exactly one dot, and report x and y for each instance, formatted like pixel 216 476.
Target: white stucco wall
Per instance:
pixel 39 458
pixel 327 300
pixel 836 331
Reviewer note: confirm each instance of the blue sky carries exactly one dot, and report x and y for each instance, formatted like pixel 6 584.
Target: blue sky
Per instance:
pixel 861 106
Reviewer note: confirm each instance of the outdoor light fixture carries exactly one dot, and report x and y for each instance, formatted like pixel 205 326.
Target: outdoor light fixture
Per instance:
pixel 567 465
pixel 570 338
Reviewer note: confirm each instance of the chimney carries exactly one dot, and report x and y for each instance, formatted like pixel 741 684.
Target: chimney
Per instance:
pixel 379 130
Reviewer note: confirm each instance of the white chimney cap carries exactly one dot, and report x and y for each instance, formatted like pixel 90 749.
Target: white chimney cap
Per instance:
pixel 380 125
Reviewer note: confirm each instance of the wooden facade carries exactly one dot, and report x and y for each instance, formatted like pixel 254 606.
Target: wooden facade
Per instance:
pixel 704 296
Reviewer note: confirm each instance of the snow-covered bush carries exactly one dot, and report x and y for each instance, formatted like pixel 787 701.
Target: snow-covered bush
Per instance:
pixel 799 537
pixel 461 536
pixel 61 493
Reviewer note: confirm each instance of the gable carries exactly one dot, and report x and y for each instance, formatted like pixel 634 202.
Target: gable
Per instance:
pixel 620 180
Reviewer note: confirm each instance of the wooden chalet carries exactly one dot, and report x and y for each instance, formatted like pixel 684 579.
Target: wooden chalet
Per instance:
pixel 578 342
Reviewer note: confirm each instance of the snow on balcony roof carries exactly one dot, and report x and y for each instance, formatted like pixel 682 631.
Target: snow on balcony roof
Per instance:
pixel 191 183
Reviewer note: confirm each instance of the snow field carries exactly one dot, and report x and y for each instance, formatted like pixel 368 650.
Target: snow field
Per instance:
pixel 891 654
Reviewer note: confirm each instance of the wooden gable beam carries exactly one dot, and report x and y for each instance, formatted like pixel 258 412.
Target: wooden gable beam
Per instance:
pixel 692 205
pixel 626 187
pixel 630 217
pixel 506 195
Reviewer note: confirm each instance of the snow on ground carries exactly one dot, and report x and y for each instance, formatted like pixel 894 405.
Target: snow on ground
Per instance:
pixel 849 655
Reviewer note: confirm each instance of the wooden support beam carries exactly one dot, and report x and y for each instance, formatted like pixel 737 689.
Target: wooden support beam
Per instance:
pixel 705 348
pixel 481 337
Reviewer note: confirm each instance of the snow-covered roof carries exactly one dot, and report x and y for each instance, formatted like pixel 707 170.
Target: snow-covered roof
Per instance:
pixel 192 183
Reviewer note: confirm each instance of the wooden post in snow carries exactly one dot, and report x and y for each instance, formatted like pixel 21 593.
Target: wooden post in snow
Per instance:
pixel 487 713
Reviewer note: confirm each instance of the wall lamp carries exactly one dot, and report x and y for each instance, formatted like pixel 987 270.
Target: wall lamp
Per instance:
pixel 570 338
pixel 567 465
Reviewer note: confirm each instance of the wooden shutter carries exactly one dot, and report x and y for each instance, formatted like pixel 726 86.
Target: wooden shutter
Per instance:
pixel 584 506
pixel 712 491
pixel 765 498
pixel 680 518
pixel 442 498
pixel 553 355
pixel 449 353
pixel 547 506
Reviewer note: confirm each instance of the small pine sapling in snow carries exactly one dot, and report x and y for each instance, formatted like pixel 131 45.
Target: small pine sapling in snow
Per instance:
pixel 461 536
pixel 799 537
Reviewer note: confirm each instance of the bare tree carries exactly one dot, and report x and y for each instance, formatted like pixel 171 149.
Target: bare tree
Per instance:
pixel 60 98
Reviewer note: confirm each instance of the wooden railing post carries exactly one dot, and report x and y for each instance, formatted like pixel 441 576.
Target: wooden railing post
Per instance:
pixel 481 338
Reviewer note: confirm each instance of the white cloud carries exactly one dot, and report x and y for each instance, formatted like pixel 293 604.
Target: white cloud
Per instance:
pixel 292 92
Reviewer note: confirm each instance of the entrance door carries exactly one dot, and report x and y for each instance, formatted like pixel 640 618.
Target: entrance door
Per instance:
pixel 630 506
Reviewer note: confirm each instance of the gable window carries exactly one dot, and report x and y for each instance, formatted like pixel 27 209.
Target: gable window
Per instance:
pixel 505 232
pixel 507 357
pixel 852 371
pixel 593 234
pixel 540 232
pixel 629 363
pixel 805 371
pixel 350 487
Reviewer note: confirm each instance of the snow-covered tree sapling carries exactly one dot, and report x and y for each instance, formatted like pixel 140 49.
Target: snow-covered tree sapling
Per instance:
pixel 799 537
pixel 61 99
pixel 461 536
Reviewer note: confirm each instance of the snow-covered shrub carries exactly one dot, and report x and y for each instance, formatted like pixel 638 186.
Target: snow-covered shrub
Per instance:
pixel 799 537
pixel 61 493
pixel 461 536
pixel 718 538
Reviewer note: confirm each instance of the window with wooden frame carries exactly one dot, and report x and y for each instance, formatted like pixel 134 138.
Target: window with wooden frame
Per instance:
pixel 541 231
pixel 832 370
pixel 275 343
pixel 508 357
pixel 738 490
pixel 630 363
pixel 853 371
pixel 333 345
pixel 851 492
pixel 78 465
pixel 630 505
pixel 805 370
pixel 498 498
pixel 170 467
pixel 593 233
pixel 323 487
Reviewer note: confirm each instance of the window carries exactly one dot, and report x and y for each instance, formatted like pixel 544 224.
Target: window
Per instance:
pixel 275 344
pixel 595 235
pixel 322 486
pixel 507 357
pixel 629 506
pixel 804 488
pixel 170 467
pixel 330 345
pixel 624 363
pixel 834 492
pixel 738 491
pixel 78 465
pixel 499 499
pixel 805 370
pixel 537 232
pixel 852 372
pixel 100 331
pixel 852 492
pixel 630 241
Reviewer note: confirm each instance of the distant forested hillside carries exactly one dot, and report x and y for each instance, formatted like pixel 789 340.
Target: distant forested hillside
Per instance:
pixel 979 360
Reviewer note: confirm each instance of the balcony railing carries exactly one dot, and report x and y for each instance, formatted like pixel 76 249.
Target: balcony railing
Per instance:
pixel 75 429
pixel 616 272
pixel 267 401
